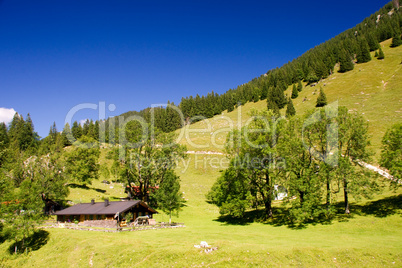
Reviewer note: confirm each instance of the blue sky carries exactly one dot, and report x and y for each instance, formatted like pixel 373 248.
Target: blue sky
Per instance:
pixel 57 54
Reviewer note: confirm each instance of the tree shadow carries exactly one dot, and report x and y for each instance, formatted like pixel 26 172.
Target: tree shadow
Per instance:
pixel 85 187
pixel 281 217
pixel 248 218
pixel 34 242
pixel 381 208
pixel 3 236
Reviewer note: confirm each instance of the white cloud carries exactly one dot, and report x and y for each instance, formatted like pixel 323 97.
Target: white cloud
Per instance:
pixel 6 115
pixel 82 122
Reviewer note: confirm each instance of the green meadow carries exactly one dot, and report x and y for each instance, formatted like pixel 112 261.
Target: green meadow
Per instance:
pixel 370 236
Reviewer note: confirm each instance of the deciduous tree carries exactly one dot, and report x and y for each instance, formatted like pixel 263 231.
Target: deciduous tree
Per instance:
pixel 391 154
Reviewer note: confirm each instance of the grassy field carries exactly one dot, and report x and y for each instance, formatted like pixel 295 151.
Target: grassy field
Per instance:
pixel 371 236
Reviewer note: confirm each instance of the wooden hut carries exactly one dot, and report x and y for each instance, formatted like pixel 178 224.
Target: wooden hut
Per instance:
pixel 107 210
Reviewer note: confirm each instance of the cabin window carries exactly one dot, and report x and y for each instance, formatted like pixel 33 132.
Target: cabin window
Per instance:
pixel 91 217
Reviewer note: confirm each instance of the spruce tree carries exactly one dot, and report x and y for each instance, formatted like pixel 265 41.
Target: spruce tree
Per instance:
pixel 76 130
pixel 376 54
pixel 396 40
pixel 345 63
pixel 299 86
pixel 290 109
pixel 295 92
pixel 312 77
pixel 3 134
pixel 372 42
pixel 321 99
pixel 277 95
pixel 364 53
pixel 168 196
pixel 271 105
pixel 380 55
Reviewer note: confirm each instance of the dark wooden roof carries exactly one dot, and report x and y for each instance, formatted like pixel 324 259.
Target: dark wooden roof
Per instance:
pixel 99 208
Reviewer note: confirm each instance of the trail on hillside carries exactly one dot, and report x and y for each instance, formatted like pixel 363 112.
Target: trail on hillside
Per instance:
pixel 378 170
pixel 204 152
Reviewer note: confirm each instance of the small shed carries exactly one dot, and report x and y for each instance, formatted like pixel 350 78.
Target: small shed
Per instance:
pixel 106 210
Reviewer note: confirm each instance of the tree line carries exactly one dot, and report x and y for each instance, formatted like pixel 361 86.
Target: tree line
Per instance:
pixel 34 173
pixel 314 157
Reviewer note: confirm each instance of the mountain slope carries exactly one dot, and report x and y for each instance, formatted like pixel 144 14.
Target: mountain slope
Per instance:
pixel 373 89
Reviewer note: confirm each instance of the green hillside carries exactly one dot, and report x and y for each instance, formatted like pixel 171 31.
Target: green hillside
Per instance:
pixel 373 88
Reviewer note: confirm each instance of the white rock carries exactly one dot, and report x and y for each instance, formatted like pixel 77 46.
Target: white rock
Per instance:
pixel 204 244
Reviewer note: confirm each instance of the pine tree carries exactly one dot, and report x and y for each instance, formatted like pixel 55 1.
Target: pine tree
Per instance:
pixel 76 130
pixel 312 77
pixel 396 40
pixel 277 95
pixel 3 134
pixel 299 86
pixel 372 42
pixel 271 105
pixel 364 53
pixel 321 99
pixel 168 196
pixel 345 63
pixel 3 146
pixel 290 109
pixel 295 92
pixel 380 55
pixel 67 136
pixel 376 54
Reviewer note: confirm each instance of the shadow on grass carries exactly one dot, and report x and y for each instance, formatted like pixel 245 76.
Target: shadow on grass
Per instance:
pixel 85 187
pixel 37 240
pixel 380 208
pixel 3 237
pixel 248 218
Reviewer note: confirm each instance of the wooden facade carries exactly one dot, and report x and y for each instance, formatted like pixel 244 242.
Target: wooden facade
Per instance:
pixel 105 211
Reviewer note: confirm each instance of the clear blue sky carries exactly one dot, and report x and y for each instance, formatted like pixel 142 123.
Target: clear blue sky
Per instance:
pixel 56 54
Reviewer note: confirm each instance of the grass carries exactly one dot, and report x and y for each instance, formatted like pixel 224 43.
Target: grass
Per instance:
pixel 371 236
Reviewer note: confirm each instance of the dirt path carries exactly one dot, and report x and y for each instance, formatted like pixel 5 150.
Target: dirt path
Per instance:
pixel 364 164
pixel 379 171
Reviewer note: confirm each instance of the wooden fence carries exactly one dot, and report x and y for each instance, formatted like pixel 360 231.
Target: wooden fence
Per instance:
pixel 73 226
